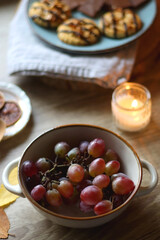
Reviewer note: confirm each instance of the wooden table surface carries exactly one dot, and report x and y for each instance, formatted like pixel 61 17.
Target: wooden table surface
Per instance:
pixel 51 107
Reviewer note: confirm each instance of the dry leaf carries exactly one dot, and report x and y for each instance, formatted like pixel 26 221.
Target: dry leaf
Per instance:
pixel 6 198
pixel 4 224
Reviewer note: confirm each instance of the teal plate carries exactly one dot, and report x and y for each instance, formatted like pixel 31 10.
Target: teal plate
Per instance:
pixel 147 13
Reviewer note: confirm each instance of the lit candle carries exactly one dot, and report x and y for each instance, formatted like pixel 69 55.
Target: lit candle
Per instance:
pixel 131 106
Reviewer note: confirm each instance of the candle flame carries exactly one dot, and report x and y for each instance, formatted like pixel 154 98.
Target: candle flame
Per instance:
pixel 128 87
pixel 134 103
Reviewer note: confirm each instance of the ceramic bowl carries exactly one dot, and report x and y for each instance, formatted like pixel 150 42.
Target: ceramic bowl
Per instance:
pixel 73 134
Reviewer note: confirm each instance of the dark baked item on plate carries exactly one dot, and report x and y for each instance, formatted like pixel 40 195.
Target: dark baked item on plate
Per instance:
pixel 120 23
pixel 49 13
pixel 92 7
pixel 79 32
pixel 124 3
pixel 10 113
pixel 73 4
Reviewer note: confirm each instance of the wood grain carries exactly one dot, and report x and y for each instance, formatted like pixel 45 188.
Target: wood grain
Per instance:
pixel 53 107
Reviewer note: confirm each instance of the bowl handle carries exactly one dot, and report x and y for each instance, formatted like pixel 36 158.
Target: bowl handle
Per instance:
pixel 154 179
pixel 5 175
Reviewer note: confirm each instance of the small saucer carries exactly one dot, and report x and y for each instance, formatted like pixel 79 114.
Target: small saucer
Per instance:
pixel 14 93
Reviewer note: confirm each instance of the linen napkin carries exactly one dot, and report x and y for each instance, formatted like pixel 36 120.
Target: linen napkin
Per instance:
pixel 29 56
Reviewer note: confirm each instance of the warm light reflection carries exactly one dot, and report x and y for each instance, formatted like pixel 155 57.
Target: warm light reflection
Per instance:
pixel 134 103
pixel 127 87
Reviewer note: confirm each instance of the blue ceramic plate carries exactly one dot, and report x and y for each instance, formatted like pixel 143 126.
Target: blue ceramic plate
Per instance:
pixel 147 13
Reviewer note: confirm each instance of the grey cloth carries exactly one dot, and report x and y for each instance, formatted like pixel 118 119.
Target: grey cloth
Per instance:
pixel 29 56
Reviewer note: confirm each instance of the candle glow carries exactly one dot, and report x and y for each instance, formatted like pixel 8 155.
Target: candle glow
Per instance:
pixel 134 103
pixel 130 111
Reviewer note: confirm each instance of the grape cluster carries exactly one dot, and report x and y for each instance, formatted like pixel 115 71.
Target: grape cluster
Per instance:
pixel 88 174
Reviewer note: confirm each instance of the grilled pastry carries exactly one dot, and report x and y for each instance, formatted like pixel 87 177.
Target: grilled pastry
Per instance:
pixel 49 13
pixel 79 32
pixel 120 23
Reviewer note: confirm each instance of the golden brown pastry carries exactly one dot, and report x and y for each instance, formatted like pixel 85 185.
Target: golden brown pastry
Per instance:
pixel 49 13
pixel 120 23
pixel 79 32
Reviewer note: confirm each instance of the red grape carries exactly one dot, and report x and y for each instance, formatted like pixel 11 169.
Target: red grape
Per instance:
pixel 91 195
pixel 101 181
pixel 38 192
pixel 52 185
pixel 73 199
pixel 75 173
pixel 53 197
pixel 120 174
pixel 117 200
pixel 110 155
pixel 97 167
pixel 103 207
pixel 122 185
pixel 83 146
pixel 65 188
pixel 112 167
pixel 63 178
pixel 96 148
pixel 85 208
pixel 86 174
pixel 43 164
pixel 31 182
pixel 29 168
pixel 61 149
pixel 80 186
pixel 73 153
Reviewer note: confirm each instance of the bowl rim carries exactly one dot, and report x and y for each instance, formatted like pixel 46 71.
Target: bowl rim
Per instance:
pixel 50 212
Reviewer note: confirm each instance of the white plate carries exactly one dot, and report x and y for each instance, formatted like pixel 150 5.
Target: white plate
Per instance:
pixel 14 93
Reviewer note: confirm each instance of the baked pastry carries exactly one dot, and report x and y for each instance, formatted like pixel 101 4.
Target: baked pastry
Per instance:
pixel 49 13
pixel 120 23
pixel 79 32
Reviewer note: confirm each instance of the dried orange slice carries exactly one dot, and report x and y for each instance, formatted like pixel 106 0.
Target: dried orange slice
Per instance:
pixel 10 113
pixel 2 101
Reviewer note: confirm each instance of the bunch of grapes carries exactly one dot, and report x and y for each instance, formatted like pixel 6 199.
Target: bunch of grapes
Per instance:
pixel 88 174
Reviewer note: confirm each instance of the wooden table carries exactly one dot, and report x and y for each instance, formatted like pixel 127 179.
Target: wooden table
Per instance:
pixel 53 107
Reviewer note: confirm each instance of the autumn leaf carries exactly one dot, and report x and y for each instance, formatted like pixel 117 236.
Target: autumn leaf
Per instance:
pixel 6 198
pixel 4 224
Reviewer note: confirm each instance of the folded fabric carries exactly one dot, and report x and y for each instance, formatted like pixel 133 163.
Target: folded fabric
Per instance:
pixel 29 56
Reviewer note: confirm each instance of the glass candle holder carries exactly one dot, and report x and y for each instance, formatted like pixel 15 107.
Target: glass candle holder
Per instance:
pixel 131 106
